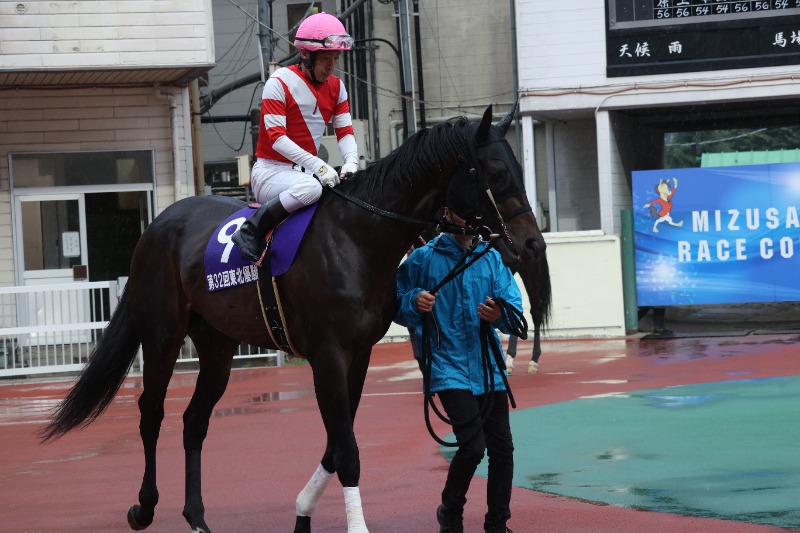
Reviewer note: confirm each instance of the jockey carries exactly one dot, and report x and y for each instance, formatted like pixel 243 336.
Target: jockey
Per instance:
pixel 297 104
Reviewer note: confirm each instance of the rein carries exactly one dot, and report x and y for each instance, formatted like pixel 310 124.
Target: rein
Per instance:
pixel 483 232
pixel 515 322
pixel 378 211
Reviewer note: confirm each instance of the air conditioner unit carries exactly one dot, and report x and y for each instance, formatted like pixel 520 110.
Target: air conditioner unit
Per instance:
pixel 329 146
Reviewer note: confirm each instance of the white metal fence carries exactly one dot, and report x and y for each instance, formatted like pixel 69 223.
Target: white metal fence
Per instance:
pixel 48 329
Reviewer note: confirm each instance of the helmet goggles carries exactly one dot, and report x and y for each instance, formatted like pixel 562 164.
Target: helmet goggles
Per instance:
pixel 331 42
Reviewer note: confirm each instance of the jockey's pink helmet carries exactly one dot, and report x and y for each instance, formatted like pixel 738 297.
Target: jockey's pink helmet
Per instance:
pixel 322 31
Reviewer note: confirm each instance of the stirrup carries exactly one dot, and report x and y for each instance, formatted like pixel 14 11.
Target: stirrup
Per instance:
pixel 261 259
pixel 267 241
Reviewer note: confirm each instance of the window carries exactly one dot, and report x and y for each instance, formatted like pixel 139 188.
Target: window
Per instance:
pixel 81 168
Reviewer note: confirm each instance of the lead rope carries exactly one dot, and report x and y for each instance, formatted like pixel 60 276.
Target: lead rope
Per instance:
pixel 515 323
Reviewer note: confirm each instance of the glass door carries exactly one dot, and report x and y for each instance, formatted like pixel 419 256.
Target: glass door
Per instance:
pixel 51 249
pixel 51 239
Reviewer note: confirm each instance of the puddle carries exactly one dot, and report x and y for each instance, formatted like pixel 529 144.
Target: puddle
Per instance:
pixel 286 395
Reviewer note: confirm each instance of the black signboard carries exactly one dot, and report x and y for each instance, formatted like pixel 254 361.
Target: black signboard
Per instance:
pixel 662 36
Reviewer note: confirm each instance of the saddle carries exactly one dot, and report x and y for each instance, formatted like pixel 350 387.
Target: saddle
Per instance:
pixel 225 267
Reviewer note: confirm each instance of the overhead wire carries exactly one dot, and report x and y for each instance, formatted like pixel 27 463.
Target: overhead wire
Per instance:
pixel 240 46
pixel 386 91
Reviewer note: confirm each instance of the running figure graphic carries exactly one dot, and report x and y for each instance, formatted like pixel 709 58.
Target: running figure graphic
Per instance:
pixel 660 207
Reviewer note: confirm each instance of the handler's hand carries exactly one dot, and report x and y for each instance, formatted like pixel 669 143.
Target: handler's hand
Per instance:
pixel 425 301
pixel 489 311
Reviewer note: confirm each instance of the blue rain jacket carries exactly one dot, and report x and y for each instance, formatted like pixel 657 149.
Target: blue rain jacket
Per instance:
pixel 456 347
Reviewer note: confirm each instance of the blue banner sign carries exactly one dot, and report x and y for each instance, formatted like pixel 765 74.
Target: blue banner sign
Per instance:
pixel 717 235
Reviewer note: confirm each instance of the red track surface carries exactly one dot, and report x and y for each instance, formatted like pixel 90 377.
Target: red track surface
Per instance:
pixel 266 438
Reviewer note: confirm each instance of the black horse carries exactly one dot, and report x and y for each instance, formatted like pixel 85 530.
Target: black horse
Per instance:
pixel 339 299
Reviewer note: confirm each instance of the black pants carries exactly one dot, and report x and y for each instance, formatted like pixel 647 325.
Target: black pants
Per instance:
pixel 462 409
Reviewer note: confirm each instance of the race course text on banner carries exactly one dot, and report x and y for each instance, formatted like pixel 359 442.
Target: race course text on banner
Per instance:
pixel 717 235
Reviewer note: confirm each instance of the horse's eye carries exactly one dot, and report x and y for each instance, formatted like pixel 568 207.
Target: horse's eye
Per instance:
pixel 498 176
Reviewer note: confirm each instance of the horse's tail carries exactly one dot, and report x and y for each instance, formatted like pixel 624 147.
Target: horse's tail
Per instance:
pixel 542 312
pixel 536 278
pixel 102 376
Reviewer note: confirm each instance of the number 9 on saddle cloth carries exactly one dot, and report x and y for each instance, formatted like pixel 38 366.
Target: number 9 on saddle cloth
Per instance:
pixel 225 267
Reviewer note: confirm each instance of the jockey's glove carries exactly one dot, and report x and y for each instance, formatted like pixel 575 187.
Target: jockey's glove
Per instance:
pixel 348 168
pixel 327 176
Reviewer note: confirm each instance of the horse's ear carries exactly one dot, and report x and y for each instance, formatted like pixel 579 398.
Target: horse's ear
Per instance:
pixel 503 125
pixel 486 125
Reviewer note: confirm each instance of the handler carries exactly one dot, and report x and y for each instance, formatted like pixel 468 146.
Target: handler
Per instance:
pixel 456 368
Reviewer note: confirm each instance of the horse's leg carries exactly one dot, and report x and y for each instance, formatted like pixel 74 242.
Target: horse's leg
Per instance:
pixel 215 354
pixel 308 499
pixel 356 376
pixel 331 378
pixel 159 358
pixel 533 366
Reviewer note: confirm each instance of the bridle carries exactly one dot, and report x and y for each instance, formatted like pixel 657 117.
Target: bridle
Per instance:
pixel 482 184
pixel 475 228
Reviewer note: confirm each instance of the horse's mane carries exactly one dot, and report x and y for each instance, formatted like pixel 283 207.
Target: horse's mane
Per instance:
pixel 413 161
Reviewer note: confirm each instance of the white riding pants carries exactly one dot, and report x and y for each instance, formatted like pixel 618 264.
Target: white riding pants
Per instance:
pixel 271 179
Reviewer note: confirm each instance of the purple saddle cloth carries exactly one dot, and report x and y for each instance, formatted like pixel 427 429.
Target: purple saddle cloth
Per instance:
pixel 225 267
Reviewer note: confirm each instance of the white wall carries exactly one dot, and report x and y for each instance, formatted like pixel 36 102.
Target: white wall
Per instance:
pixel 586 301
pixel 96 34
pixel 560 47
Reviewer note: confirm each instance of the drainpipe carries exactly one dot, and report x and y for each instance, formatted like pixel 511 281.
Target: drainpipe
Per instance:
pixel 188 161
pixel 173 121
pixel 403 94
pixel 197 140
pixel 628 271
pixel 515 73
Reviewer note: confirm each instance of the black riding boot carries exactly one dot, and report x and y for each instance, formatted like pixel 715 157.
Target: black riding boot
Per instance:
pixel 250 237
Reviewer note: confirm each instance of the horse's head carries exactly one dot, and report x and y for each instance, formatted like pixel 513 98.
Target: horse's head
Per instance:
pixel 488 190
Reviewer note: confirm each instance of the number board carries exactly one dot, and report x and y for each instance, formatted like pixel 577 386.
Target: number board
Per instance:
pixel 663 36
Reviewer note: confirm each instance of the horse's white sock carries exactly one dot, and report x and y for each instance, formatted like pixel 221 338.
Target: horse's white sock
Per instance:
pixel 355 514
pixel 309 497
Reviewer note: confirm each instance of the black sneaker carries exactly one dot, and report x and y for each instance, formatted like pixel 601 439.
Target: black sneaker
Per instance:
pixel 447 523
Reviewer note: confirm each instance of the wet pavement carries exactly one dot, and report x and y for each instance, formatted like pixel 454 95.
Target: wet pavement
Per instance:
pixel 614 435
pixel 722 450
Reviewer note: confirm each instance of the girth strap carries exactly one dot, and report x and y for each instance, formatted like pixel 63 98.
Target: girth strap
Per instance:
pixel 271 309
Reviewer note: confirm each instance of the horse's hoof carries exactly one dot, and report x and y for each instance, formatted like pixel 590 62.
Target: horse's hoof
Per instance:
pixel 135 521
pixel 303 524
pixel 533 368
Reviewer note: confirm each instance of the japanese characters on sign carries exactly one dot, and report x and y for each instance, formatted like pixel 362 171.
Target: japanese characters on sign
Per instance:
pixel 662 36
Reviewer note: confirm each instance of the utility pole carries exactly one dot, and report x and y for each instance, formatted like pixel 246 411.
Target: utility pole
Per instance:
pixel 420 85
pixel 408 72
pixel 264 37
